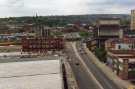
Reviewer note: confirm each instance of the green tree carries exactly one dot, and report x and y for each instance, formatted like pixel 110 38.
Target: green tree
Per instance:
pixel 101 54
pixel 84 34
pixel 125 22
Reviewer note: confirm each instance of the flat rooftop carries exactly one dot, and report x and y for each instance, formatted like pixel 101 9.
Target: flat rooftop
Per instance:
pixel 31 75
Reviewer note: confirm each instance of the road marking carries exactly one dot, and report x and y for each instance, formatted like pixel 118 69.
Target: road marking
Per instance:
pixel 85 66
pixel 103 78
pixel 95 62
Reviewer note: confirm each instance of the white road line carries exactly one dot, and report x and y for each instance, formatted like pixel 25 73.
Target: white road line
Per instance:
pixel 85 66
pixel 105 80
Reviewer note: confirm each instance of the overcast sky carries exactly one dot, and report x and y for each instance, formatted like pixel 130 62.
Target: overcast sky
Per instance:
pixel 64 7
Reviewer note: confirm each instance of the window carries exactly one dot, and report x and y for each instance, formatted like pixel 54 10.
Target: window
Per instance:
pixel 119 46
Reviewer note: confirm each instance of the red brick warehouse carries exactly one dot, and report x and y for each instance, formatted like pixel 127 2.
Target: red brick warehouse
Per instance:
pixel 42 44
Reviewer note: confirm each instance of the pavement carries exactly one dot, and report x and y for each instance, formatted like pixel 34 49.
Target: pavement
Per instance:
pixel 18 59
pixel 122 83
pixel 87 73
pixel 100 76
pixel 10 48
pixel 70 78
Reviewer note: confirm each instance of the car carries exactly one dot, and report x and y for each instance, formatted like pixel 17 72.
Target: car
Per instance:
pixel 83 52
pixel 77 63
pixel 56 55
pixel 80 50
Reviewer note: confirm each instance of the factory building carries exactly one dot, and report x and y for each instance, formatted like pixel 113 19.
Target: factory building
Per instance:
pixel 43 41
pixel 42 44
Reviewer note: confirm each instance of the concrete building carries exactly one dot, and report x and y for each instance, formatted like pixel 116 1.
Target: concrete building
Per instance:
pixel 107 28
pixel 31 75
pixel 129 33
pixel 132 19
pixel 120 44
pixel 120 57
pixel 74 36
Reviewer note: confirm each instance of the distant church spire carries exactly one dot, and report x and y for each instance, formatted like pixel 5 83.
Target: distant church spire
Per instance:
pixel 36 15
pixel 36 18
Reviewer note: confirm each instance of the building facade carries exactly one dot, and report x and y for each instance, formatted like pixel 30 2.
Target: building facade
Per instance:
pixel 121 58
pixel 43 31
pixel 91 44
pixel 43 41
pixel 42 44
pixel 107 28
pixel 132 19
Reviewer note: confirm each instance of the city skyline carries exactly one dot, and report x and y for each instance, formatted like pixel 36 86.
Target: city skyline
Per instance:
pixel 64 7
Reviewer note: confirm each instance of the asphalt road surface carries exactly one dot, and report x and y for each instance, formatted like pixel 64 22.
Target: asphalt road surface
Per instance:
pixel 104 81
pixel 84 80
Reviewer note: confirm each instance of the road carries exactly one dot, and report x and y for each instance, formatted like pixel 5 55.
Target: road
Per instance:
pixel 105 82
pixel 84 80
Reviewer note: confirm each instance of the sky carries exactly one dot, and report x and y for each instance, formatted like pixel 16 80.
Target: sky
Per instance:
pixel 64 7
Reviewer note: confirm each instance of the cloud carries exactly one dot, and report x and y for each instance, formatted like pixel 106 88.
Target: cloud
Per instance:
pixel 64 7
pixel 111 2
pixel 110 6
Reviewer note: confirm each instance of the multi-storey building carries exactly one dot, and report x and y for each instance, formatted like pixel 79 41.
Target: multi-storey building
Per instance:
pixel 121 58
pixel 129 33
pixel 132 19
pixel 107 28
pixel 43 41
pixel 42 44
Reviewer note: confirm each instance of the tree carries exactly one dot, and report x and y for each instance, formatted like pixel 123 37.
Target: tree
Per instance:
pixel 125 22
pixel 84 34
pixel 101 54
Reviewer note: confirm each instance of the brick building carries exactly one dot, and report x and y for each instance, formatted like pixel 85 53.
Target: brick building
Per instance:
pixel 91 44
pixel 42 44
pixel 121 57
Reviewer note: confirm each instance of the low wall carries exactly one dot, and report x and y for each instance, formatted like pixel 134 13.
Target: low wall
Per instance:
pixel 71 81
